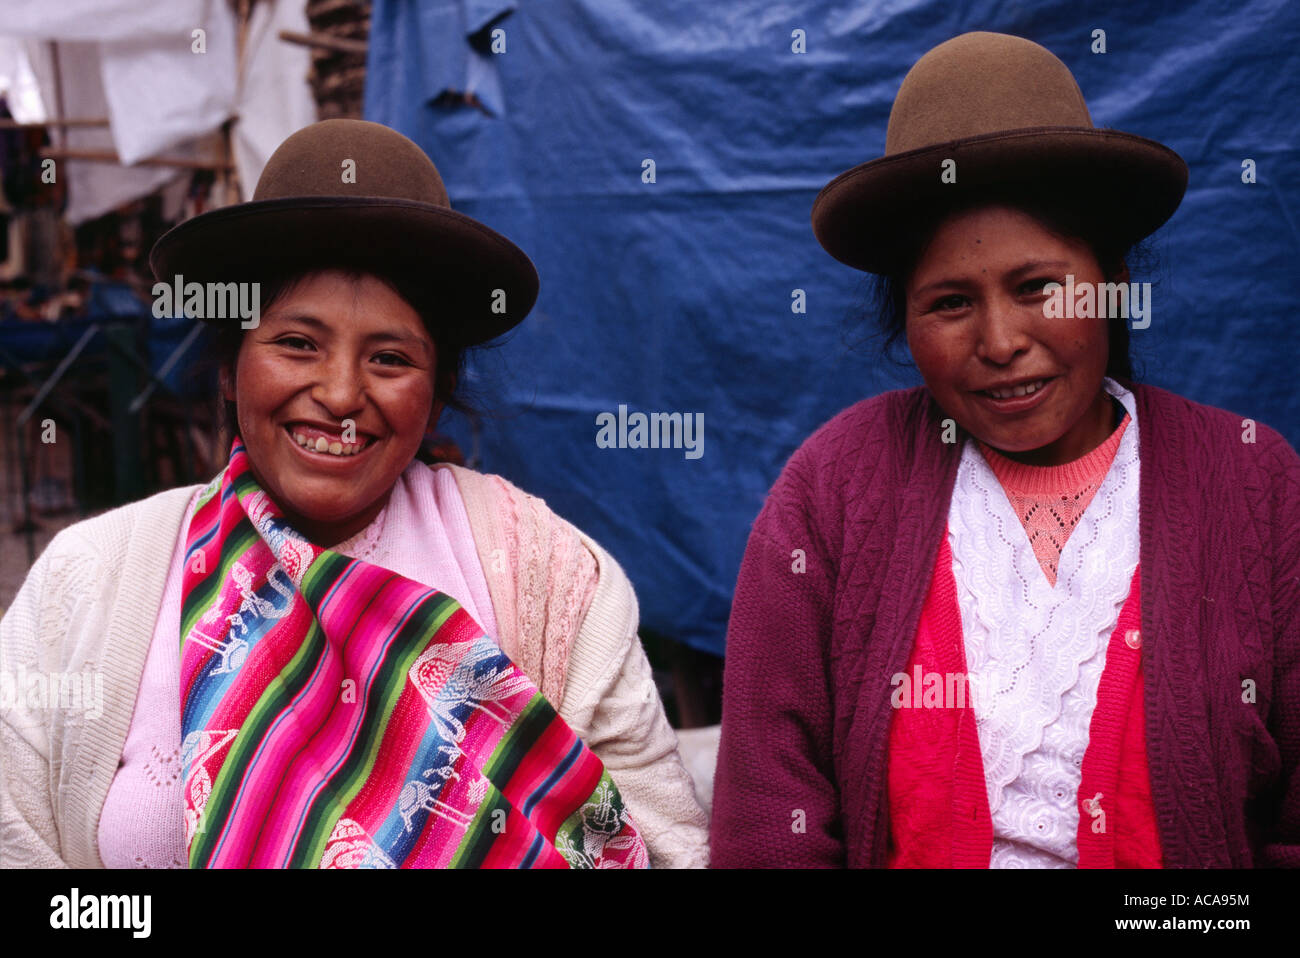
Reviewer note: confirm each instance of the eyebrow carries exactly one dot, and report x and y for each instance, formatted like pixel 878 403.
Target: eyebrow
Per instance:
pixel 1022 268
pixel 381 336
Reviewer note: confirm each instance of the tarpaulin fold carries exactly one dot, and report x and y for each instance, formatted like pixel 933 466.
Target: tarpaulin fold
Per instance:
pixel 678 295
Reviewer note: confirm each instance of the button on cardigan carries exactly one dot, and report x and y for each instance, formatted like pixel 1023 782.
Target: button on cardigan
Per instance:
pixel 812 645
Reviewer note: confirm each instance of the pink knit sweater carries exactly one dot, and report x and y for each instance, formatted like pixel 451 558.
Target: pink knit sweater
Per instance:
pixel 1049 500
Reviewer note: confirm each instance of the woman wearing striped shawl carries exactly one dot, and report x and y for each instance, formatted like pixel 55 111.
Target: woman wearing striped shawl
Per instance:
pixel 377 663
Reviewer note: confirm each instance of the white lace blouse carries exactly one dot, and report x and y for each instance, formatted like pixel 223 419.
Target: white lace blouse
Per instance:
pixel 1035 652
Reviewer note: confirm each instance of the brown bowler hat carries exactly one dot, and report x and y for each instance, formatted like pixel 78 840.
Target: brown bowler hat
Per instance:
pixel 393 218
pixel 1006 111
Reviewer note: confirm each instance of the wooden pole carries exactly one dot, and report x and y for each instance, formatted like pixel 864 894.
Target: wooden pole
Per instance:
pixel 325 42
pixel 230 179
pixel 58 90
pixel 110 156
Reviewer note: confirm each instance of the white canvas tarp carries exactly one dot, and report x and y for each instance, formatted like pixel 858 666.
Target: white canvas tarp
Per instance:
pixel 163 88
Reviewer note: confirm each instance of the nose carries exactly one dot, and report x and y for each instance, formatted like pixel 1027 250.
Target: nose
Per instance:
pixel 1002 334
pixel 340 388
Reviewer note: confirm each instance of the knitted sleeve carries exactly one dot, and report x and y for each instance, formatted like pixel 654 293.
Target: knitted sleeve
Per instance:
pixel 613 703
pixel 775 799
pixel 1281 844
pixel 582 649
pixel 29 837
pixel 538 575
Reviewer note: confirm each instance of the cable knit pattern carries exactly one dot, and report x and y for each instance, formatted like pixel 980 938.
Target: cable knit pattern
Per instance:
pixel 608 691
pixel 811 646
pixel 540 576
pixel 1036 652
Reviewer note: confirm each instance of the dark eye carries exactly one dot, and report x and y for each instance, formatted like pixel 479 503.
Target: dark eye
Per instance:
pixel 948 303
pixel 291 340
pixel 397 359
pixel 1035 286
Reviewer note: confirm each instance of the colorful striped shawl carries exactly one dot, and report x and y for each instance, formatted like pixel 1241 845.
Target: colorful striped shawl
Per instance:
pixel 338 715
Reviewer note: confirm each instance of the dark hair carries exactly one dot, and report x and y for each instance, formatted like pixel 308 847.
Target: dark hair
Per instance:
pixel 887 292
pixel 449 364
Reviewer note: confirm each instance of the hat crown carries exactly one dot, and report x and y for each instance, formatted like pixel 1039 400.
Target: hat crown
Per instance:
pixel 350 158
pixel 982 83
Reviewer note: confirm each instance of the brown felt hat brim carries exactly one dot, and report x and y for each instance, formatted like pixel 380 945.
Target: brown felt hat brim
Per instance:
pixel 462 261
pixel 1129 183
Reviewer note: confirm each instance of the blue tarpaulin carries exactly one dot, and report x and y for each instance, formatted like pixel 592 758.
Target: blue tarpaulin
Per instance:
pixel 676 295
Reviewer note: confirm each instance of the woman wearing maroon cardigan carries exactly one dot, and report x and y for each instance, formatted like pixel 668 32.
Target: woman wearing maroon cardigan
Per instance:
pixel 990 622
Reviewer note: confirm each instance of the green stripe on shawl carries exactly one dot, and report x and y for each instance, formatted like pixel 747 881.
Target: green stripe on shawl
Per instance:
pixel 533 721
pixel 279 692
pixel 480 835
pixel 205 593
pixel 389 683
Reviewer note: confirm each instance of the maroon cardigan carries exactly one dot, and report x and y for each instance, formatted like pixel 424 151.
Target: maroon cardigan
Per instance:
pixel 831 589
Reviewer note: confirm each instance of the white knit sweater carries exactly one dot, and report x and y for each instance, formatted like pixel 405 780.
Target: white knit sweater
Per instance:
pixel 89 604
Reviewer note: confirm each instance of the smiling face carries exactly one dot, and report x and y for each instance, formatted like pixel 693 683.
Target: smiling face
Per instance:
pixel 329 349
pixel 975 322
